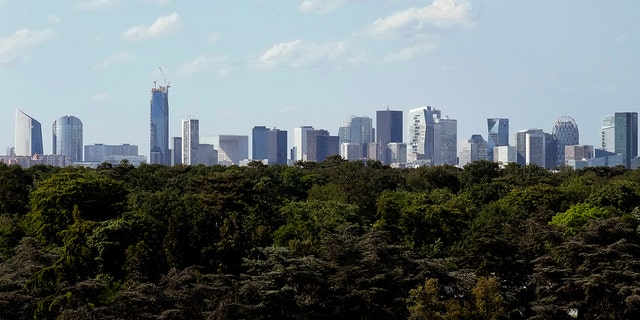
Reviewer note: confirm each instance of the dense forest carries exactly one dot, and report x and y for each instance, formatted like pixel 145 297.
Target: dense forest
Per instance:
pixel 331 240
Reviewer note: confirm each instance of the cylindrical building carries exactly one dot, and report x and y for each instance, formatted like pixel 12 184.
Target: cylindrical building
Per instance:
pixel 67 138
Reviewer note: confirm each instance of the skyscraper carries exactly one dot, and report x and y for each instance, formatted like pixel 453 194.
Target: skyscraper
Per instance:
pixel 498 134
pixel 421 126
pixel 300 143
pixel 564 133
pixel 190 141
pixel 388 126
pixel 388 130
pixel 620 135
pixel 277 146
pixel 28 136
pixel 531 147
pixel 269 144
pixel 321 145
pixel 474 150
pixel 358 130
pixel 259 142
pixel 445 141
pixel 67 138
pixel 159 126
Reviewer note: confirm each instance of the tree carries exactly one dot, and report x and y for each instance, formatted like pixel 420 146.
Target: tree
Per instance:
pixel 54 199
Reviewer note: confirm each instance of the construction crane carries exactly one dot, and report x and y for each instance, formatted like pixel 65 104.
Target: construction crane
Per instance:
pixel 167 84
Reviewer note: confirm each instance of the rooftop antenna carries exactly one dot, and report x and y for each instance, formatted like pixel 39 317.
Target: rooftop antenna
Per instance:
pixel 167 84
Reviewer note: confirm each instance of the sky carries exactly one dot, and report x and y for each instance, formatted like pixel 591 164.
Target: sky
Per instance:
pixel 235 64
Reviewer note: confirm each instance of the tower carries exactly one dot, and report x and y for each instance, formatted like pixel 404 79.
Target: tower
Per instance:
pixel 190 141
pixel 259 142
pixel 159 126
pixel 421 135
pixel 564 133
pixel 28 136
pixel 445 141
pixel 67 138
pixel 620 135
pixel 357 130
pixel 498 134
pixel 300 143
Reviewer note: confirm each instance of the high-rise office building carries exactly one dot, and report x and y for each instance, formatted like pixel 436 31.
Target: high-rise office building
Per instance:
pixel 620 135
pixel 300 143
pixel 190 141
pixel 259 143
pixel 564 133
pixel 445 141
pixel 388 130
pixel 159 126
pixel 531 147
pixel 67 138
pixel 397 153
pixel 388 126
pixel 421 127
pixel 321 145
pixel 28 135
pixel 277 146
pixel 232 149
pixel 474 150
pixel 357 130
pixel 176 151
pixel 269 144
pixel 351 151
pixel 498 134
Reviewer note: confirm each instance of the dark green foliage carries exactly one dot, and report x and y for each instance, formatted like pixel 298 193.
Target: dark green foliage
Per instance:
pixel 331 240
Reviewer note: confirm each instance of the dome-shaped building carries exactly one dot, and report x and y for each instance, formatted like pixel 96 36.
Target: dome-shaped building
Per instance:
pixel 565 133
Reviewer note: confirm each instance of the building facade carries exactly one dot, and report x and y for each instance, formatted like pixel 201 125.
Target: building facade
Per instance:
pixel 28 135
pixel 277 146
pixel 620 135
pixel 299 150
pixel 190 141
pixel 421 131
pixel 564 133
pixel 474 150
pixel 99 152
pixel 389 129
pixel 259 143
pixel 445 141
pixel 232 149
pixel 159 127
pixel 320 145
pixel 67 138
pixel 498 134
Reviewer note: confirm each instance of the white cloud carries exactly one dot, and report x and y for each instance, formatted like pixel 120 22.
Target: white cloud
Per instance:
pixel 98 5
pixel 409 53
pixel 117 58
pixel 15 47
pixel 301 54
pixel 99 97
pixel 162 26
pixel 439 14
pixel 220 65
pixel 321 6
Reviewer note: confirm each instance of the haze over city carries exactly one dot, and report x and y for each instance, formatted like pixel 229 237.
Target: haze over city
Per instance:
pixel 237 64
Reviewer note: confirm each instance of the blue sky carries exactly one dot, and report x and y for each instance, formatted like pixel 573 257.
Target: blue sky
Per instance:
pixel 235 64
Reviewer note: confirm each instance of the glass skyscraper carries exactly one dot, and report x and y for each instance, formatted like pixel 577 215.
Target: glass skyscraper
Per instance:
pixel 67 138
pixel 28 136
pixel 159 126
pixel 498 134
pixel 564 133
pixel 620 135
pixel 421 135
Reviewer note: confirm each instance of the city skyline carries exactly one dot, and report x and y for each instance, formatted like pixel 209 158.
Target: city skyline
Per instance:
pixel 234 68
